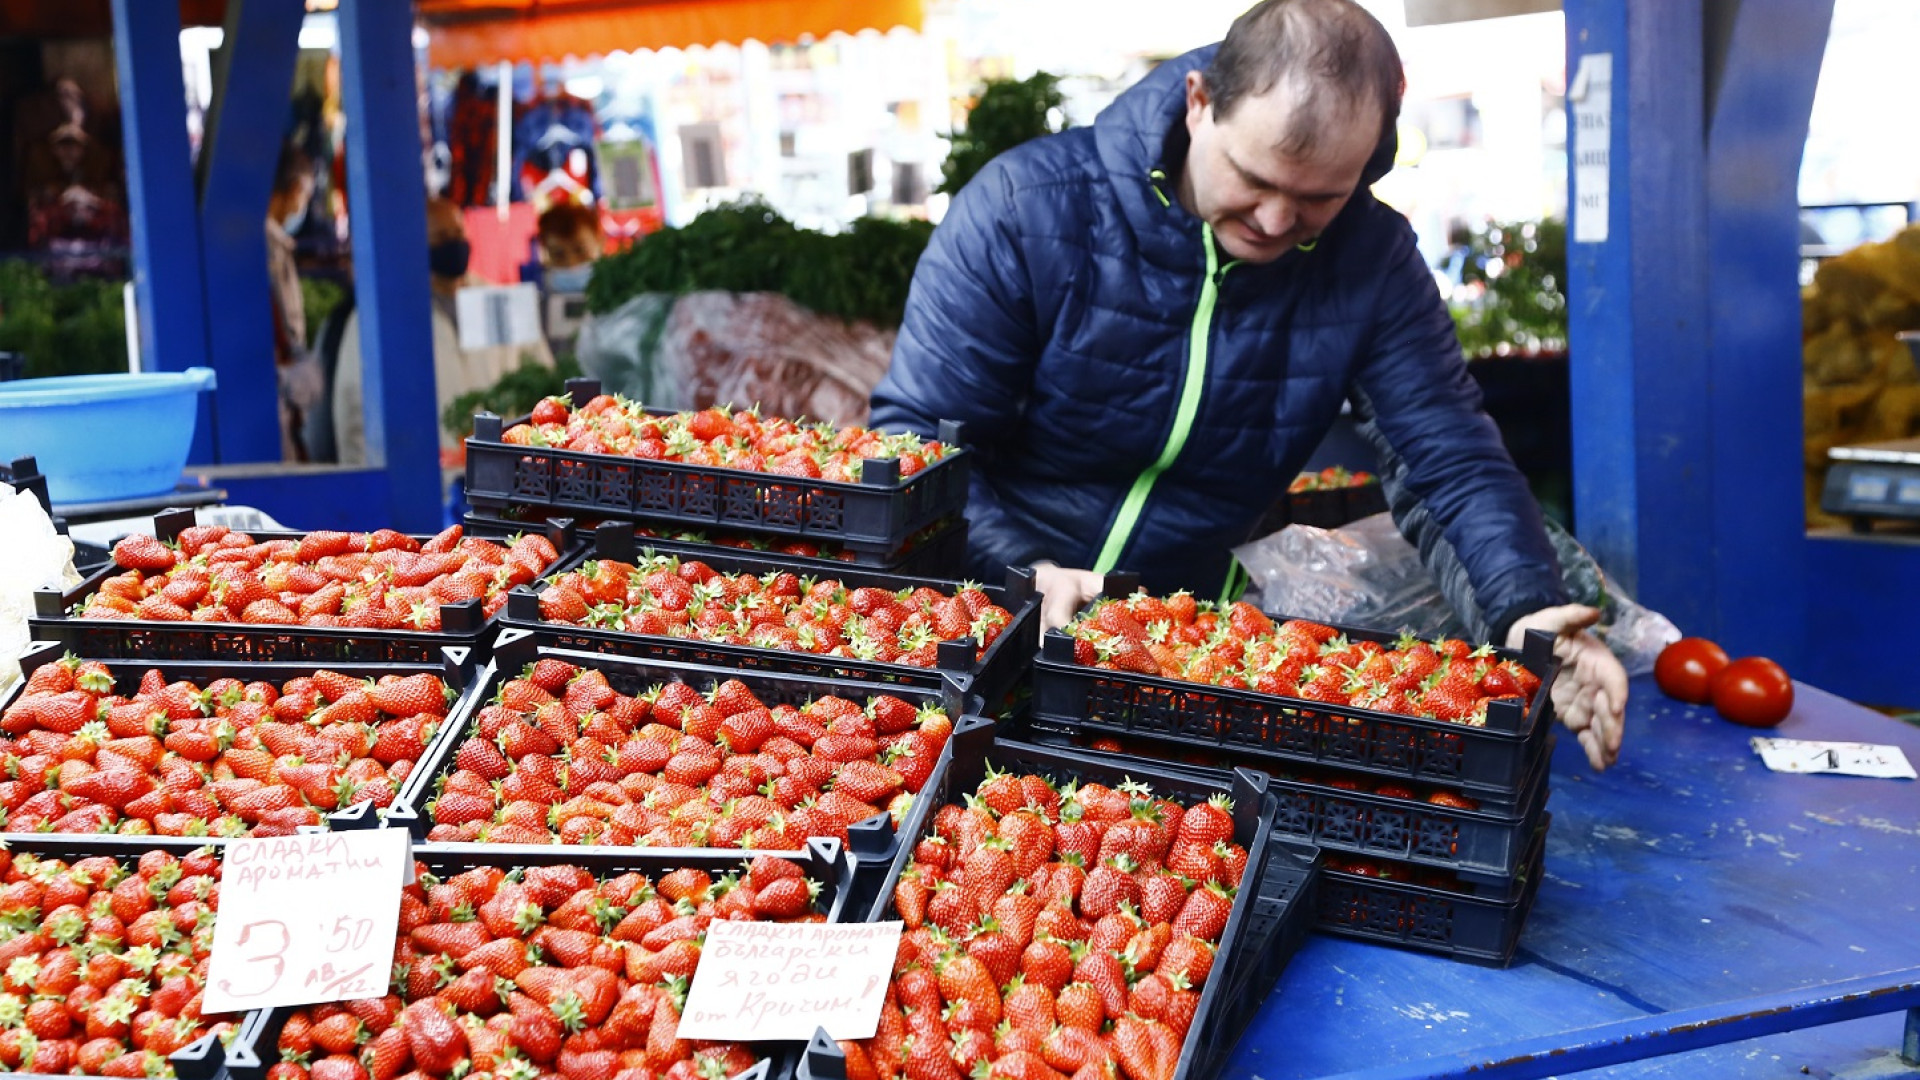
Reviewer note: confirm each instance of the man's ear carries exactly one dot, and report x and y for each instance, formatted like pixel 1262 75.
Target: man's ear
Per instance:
pixel 1199 100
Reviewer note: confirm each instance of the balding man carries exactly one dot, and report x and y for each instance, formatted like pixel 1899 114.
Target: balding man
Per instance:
pixel 1148 325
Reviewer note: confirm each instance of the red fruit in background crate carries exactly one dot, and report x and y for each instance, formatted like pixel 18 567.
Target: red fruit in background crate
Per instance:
pixel 143 553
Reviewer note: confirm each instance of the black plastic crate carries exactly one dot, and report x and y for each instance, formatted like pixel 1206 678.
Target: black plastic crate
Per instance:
pixel 939 551
pixel 206 1057
pixel 463 624
pixel 1478 929
pixel 1282 914
pixel 1341 812
pixel 976 748
pixel 872 842
pixel 455 668
pixel 255 1050
pixel 1493 763
pixel 881 510
pixel 998 678
pixel 24 476
pixel 1323 508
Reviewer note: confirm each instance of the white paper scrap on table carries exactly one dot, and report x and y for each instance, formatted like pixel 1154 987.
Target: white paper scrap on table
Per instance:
pixel 782 980
pixel 306 919
pixel 1843 758
pixel 1591 96
pixel 491 315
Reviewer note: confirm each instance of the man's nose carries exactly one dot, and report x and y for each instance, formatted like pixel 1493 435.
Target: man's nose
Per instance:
pixel 1276 215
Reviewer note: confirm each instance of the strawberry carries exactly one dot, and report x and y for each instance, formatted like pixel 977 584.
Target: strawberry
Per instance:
pixel 143 553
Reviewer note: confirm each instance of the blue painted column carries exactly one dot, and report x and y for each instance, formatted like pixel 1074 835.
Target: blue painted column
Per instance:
pixel 252 83
pixel 1636 300
pixel 160 197
pixel 386 196
pixel 1755 139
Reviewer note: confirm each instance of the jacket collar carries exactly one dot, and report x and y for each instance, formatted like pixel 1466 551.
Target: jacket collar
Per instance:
pixel 1143 133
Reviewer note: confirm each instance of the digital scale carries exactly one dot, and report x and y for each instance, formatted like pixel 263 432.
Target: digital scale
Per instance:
pixel 1872 481
pixel 1875 481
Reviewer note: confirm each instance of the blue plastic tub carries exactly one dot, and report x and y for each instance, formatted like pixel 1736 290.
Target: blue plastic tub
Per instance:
pixel 103 437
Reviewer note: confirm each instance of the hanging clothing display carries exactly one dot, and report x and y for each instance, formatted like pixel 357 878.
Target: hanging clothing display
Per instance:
pixel 554 153
pixel 473 131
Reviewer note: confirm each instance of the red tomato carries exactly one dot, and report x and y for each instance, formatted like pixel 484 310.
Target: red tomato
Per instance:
pixel 1753 691
pixel 1686 669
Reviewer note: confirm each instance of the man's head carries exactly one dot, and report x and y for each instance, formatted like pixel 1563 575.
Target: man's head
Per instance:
pixel 293 184
pixel 569 236
pixel 447 248
pixel 1283 121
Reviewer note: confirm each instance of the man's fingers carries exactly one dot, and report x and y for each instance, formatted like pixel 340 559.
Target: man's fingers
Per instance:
pixel 1058 609
pixel 1596 756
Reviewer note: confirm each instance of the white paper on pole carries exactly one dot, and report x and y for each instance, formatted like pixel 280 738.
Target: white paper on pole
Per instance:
pixel 1846 759
pixel 782 980
pixel 307 918
pixel 1591 99
pixel 493 315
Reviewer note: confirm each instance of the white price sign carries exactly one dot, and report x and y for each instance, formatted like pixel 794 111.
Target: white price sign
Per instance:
pixel 305 919
pixel 783 980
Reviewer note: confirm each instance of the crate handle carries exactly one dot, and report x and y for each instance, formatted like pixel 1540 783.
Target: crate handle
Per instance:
pixel 1057 646
pixel 486 427
pixel 583 389
pixel 1019 586
pixel 873 837
pixel 515 648
pixel 969 745
pixel 956 656
pixel 353 819
pixel 560 533
pixel 168 524
pixel 880 472
pixel 38 655
pixel 952 432
pixel 456 665
pixel 826 857
pixel 1249 791
pixel 523 603
pixel 1536 652
pixel 824 1060
pixel 200 1059
pixel 1119 584
pixel 49 603
pixel 614 540
pixel 1506 714
pixel 462 617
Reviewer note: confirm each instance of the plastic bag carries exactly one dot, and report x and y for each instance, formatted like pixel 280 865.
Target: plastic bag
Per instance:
pixel 621 348
pixel 38 557
pixel 1366 574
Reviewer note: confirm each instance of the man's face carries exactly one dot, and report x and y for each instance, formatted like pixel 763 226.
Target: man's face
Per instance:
pixel 1262 202
pixel 444 222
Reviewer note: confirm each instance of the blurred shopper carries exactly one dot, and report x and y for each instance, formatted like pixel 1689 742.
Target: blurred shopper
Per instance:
pixel 302 386
pixel 456 371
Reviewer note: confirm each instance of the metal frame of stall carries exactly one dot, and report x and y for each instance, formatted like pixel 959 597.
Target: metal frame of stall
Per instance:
pixel 1688 470
pixel 199 247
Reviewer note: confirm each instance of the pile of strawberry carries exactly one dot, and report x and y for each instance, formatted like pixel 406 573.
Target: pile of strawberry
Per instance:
pixel 104 964
pixel 1240 648
pixel 227 759
pixel 778 545
pixel 1332 478
pixel 562 756
pixel 1055 932
pixel 1404 873
pixel 665 596
pixel 719 436
pixel 540 971
pixel 378 581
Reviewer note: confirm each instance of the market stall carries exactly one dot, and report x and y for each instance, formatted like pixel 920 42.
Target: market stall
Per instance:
pixel 689 754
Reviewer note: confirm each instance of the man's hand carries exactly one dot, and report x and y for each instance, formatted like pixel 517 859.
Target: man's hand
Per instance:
pixel 1591 693
pixel 1062 592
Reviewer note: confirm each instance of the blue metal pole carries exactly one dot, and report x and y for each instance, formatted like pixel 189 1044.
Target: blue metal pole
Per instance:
pixel 160 197
pixel 242 147
pixel 1660 1034
pixel 1637 299
pixel 1754 144
pixel 386 194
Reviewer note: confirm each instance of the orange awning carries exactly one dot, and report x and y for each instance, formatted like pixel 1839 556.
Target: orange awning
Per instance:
pixel 469 33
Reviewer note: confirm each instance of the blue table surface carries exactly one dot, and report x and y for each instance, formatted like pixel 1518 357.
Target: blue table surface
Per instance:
pixel 1687 875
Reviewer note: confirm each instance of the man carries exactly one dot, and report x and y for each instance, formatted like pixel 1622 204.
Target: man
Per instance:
pixel 456 371
pixel 1148 325
pixel 302 384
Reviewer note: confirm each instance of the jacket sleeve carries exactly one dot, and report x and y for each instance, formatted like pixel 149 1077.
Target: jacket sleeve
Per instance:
pixel 1455 492
pixel 966 351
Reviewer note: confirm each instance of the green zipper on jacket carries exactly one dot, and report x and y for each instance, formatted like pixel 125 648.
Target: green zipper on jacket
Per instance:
pixel 1192 383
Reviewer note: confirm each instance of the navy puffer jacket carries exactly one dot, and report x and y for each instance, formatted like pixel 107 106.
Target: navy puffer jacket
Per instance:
pixel 1136 402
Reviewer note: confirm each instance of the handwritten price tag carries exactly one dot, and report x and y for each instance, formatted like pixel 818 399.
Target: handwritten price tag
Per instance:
pixel 306 919
pixel 782 980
